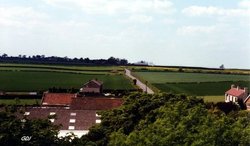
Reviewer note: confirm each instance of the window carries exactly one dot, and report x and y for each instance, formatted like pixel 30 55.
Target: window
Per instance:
pixel 52 120
pixel 71 127
pixel 97 121
pixel 73 114
pixel 27 113
pixel 23 120
pixel 52 113
pixel 72 120
pixel 98 115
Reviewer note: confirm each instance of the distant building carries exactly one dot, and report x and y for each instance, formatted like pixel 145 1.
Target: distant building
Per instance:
pixel 93 86
pixel 235 94
pixel 57 99
pixel 75 112
pixel 76 118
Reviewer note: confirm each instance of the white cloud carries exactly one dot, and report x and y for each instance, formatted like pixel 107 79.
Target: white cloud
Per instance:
pixel 195 30
pixel 20 16
pixel 168 21
pixel 116 6
pixel 245 4
pixel 137 19
pixel 27 17
pixel 211 10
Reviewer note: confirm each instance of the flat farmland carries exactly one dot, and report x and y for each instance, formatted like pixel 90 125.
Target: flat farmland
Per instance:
pixel 33 81
pixel 29 77
pixel 176 77
pixel 218 98
pixel 62 68
pixel 204 85
pixel 200 89
pixel 20 101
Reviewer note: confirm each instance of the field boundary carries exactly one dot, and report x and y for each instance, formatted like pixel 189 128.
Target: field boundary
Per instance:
pixel 148 83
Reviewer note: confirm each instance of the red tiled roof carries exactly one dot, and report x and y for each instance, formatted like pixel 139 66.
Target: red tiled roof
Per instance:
pixel 84 119
pixel 100 103
pixel 57 98
pixel 235 92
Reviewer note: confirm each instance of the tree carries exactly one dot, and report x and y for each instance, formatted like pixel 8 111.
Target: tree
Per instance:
pixel 168 119
pixel 186 121
pixel 4 55
pixel 14 129
pixel 222 66
pixel 123 62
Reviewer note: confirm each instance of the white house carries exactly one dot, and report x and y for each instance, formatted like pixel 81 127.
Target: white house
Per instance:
pixel 235 94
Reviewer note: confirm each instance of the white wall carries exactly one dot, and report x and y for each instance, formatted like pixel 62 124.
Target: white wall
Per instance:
pixel 78 133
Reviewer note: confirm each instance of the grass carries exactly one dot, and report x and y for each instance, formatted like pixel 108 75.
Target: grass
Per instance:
pixel 35 77
pixel 200 89
pixel 175 77
pixel 33 81
pixel 214 99
pixel 20 101
pixel 62 67
pixel 188 69
pixel 210 86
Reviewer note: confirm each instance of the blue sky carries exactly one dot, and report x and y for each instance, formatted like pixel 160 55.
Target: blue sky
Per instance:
pixel 190 33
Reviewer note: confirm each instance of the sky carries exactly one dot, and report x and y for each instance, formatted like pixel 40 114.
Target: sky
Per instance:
pixel 204 33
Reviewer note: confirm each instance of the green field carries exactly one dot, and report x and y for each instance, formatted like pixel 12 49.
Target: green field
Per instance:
pixel 214 98
pixel 200 89
pixel 188 69
pixel 32 77
pixel 20 101
pixel 175 77
pixel 33 81
pixel 59 67
pixel 195 84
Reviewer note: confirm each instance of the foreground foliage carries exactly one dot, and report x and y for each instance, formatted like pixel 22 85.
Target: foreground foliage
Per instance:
pixel 167 119
pixel 160 119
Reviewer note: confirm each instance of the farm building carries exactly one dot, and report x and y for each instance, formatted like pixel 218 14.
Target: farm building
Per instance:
pixel 235 94
pixel 57 99
pixel 93 86
pixel 75 112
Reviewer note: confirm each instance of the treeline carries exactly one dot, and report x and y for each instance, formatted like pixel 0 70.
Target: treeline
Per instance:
pixel 42 59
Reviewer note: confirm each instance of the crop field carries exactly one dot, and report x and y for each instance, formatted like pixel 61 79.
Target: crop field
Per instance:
pixel 33 81
pixel 61 68
pixel 175 77
pixel 188 69
pixel 204 85
pixel 200 89
pixel 214 99
pixel 25 77
pixel 20 101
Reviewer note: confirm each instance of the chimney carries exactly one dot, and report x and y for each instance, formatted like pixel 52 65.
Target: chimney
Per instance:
pixel 232 86
pixel 246 90
pixel 238 87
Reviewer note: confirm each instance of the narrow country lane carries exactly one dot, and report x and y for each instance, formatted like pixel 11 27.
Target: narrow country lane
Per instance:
pixel 139 83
